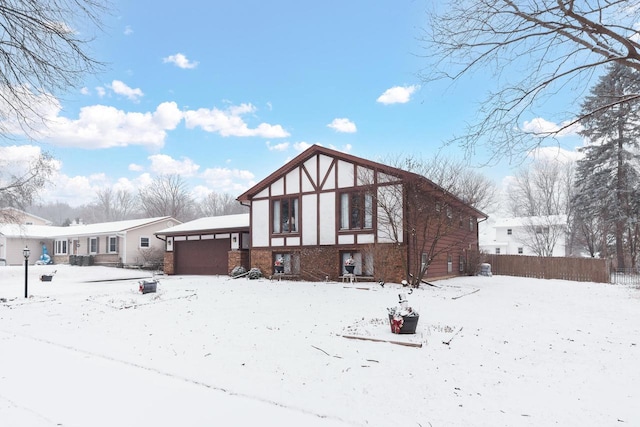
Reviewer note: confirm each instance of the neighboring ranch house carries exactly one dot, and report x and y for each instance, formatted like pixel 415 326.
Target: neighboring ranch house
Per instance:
pixel 208 246
pixel 534 236
pixel 130 242
pixel 325 206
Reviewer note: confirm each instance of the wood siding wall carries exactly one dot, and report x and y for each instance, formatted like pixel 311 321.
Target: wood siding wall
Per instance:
pixel 576 269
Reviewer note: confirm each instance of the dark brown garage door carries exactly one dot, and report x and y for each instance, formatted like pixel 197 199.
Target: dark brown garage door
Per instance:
pixel 202 256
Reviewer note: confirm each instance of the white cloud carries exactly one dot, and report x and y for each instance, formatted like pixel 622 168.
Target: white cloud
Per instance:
pixel 301 146
pixel 128 30
pixel 180 61
pixel 229 122
pixel 232 181
pixel 277 147
pixel 100 126
pixel 555 153
pixel 162 164
pixel 101 91
pixel 343 125
pixel 398 94
pixel 136 168
pixel 85 91
pixel 544 127
pixel 122 89
pixel 76 190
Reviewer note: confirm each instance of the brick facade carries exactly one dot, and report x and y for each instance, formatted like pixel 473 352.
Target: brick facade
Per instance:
pixel 169 266
pixel 238 258
pixel 324 262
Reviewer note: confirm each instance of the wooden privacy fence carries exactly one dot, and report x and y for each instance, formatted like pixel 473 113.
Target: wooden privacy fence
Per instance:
pixel 577 269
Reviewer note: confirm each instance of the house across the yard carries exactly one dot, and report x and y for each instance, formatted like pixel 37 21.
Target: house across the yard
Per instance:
pixel 534 235
pixel 130 242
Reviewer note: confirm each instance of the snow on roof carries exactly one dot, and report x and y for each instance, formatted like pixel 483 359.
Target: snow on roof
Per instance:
pixel 29 231
pixel 50 231
pixel 530 220
pixel 210 223
pixel 111 227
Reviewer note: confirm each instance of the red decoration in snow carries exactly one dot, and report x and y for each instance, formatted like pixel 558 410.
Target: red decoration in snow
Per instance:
pixel 396 324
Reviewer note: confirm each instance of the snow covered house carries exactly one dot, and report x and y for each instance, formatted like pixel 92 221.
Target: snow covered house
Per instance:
pixel 324 207
pixel 534 236
pixel 129 242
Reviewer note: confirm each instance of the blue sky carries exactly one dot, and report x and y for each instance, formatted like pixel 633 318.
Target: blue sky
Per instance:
pixel 224 93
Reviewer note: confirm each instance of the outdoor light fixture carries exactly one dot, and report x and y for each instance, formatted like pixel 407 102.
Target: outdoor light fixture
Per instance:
pixel 26 252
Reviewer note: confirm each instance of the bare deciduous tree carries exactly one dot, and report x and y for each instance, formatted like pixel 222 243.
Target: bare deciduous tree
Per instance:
pixel 542 188
pixel 111 205
pixel 43 52
pixel 422 219
pixel 167 195
pixel 549 44
pixel 216 204
pixel 541 234
pixel 20 182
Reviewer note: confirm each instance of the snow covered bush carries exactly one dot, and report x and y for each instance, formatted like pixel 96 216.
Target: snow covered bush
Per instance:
pixel 255 273
pixel 238 270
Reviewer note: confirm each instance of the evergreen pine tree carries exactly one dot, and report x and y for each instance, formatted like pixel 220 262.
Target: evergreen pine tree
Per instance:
pixel 607 176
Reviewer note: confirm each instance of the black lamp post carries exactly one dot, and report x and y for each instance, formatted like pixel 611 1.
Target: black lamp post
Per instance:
pixel 26 252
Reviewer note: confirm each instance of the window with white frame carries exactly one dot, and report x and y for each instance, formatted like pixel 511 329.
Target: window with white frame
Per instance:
pixel 509 231
pixel 285 215
pixel 60 247
pixel 144 242
pixel 520 251
pixel 93 245
pixel 356 211
pixel 112 244
pixel 497 251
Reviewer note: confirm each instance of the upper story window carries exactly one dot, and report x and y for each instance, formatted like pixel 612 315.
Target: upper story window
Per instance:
pixel 285 215
pixel 356 211
pixel 497 251
pixel 144 242
pixel 509 231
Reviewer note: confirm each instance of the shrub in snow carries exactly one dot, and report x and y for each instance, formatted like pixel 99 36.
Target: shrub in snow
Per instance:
pixel 238 270
pixel 255 273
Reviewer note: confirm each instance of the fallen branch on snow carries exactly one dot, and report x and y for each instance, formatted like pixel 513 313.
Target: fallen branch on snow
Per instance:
pixel 407 344
pixel 464 295
pixel 452 337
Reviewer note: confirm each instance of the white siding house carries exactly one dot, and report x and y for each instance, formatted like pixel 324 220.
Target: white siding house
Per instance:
pixel 538 235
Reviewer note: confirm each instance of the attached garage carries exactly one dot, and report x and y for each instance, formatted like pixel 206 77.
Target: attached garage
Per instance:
pixel 202 256
pixel 207 246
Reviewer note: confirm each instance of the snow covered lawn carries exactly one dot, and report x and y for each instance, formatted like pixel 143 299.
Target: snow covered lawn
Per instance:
pixel 88 350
